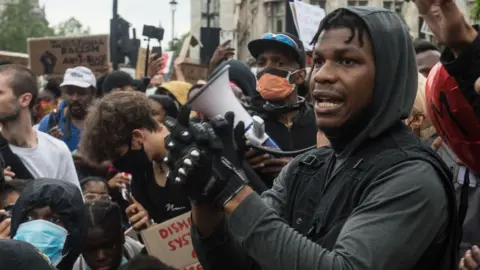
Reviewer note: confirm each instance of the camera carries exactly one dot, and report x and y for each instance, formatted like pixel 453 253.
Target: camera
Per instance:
pixel 8 212
pixel 153 32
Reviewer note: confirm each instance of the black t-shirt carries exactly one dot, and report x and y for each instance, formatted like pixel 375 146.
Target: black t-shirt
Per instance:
pixel 162 203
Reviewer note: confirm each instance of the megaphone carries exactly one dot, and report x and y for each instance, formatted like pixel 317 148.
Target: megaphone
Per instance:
pixel 216 98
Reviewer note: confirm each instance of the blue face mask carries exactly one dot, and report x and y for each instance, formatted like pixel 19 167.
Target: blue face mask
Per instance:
pixel 46 236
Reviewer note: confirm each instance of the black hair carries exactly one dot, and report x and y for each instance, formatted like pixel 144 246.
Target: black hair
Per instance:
pixel 422 45
pixel 105 215
pixel 9 187
pixel 89 179
pixel 167 103
pixel 342 18
pixel 145 262
pixel 100 81
pixel 53 85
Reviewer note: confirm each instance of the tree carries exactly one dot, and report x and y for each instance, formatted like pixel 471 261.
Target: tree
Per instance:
pixel 71 27
pixel 476 10
pixel 21 20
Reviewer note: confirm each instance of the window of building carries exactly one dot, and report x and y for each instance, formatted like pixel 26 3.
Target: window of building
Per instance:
pixel 398 6
pixel 211 13
pixel 388 5
pixel 357 3
pixel 322 3
pixel 278 16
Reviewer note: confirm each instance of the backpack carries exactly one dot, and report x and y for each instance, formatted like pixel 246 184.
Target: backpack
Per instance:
pixel 12 160
pixel 302 189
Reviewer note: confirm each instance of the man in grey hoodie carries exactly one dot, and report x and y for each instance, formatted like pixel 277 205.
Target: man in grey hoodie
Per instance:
pixel 377 198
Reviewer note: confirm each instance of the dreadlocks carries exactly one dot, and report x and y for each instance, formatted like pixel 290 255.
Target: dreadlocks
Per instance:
pixel 342 18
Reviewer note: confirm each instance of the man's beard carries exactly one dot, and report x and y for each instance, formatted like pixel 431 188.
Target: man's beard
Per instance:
pixel 10 117
pixel 80 113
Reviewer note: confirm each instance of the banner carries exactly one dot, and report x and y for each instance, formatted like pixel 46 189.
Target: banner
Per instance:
pixel 54 55
pixel 14 58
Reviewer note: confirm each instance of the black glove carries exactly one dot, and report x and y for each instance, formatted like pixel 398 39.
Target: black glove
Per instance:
pixel 191 146
pixel 229 177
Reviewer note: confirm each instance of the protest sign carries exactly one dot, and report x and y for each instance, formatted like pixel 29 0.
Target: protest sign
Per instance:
pixel 171 242
pixel 14 58
pixel 54 55
pixel 308 18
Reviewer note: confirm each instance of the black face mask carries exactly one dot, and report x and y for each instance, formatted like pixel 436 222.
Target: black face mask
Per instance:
pixel 133 161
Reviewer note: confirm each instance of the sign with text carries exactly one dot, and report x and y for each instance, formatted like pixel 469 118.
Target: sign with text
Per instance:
pixel 171 242
pixel 54 55
pixel 14 58
pixel 193 72
pixel 308 18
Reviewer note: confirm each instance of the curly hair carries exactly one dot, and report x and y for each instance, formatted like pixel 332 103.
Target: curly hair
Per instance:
pixel 342 18
pixel 110 122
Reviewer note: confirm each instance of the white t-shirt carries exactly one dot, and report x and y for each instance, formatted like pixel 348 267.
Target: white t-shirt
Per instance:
pixel 49 159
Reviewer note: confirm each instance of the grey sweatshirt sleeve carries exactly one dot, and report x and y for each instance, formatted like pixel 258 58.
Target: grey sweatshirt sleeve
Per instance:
pixel 218 251
pixel 390 229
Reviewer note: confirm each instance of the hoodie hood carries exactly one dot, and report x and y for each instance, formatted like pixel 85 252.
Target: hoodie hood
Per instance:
pixel 65 199
pixel 240 74
pixel 395 75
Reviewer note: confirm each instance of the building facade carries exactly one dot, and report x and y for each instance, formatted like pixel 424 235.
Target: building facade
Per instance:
pixel 252 18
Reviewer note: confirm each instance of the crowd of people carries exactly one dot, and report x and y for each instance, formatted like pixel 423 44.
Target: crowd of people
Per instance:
pixel 384 129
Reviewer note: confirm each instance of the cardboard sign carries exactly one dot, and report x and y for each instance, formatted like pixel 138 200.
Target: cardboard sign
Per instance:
pixel 193 72
pixel 308 17
pixel 14 58
pixel 54 55
pixel 171 243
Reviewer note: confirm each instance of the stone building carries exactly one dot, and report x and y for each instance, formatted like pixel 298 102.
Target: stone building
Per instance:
pixel 251 18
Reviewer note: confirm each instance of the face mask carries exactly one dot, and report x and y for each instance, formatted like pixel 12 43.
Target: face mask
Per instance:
pixel 274 84
pixel 46 236
pixel 132 161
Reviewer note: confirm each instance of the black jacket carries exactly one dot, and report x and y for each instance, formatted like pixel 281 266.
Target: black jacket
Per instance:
pixel 66 200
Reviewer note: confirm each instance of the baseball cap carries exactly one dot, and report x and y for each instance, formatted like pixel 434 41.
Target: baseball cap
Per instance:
pixel 116 79
pixel 21 255
pixel 79 76
pixel 284 42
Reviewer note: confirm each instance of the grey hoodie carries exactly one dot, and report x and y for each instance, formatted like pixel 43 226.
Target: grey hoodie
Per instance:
pixel 404 209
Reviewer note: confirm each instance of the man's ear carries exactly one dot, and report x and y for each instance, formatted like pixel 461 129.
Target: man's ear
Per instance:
pixel 300 76
pixel 25 100
pixel 138 138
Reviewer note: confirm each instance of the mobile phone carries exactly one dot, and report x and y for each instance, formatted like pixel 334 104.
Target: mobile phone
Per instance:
pixel 158 51
pixel 226 44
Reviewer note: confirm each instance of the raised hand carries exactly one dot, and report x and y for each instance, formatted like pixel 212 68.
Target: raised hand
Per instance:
pixel 191 148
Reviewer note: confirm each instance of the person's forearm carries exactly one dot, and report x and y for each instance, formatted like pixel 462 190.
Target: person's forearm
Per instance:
pixel 206 218
pixel 462 34
pixel 274 244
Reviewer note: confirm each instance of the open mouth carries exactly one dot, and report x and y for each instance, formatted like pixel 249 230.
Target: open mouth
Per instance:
pixel 327 101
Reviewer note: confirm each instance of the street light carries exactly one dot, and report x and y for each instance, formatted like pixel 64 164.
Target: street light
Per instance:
pixel 173 6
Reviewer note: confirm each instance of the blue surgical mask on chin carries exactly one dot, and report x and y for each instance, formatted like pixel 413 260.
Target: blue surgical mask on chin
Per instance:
pixel 49 238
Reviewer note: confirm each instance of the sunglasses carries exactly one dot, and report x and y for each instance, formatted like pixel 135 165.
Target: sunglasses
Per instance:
pixel 282 38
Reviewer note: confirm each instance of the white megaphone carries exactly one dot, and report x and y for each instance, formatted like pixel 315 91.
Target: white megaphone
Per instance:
pixel 216 98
